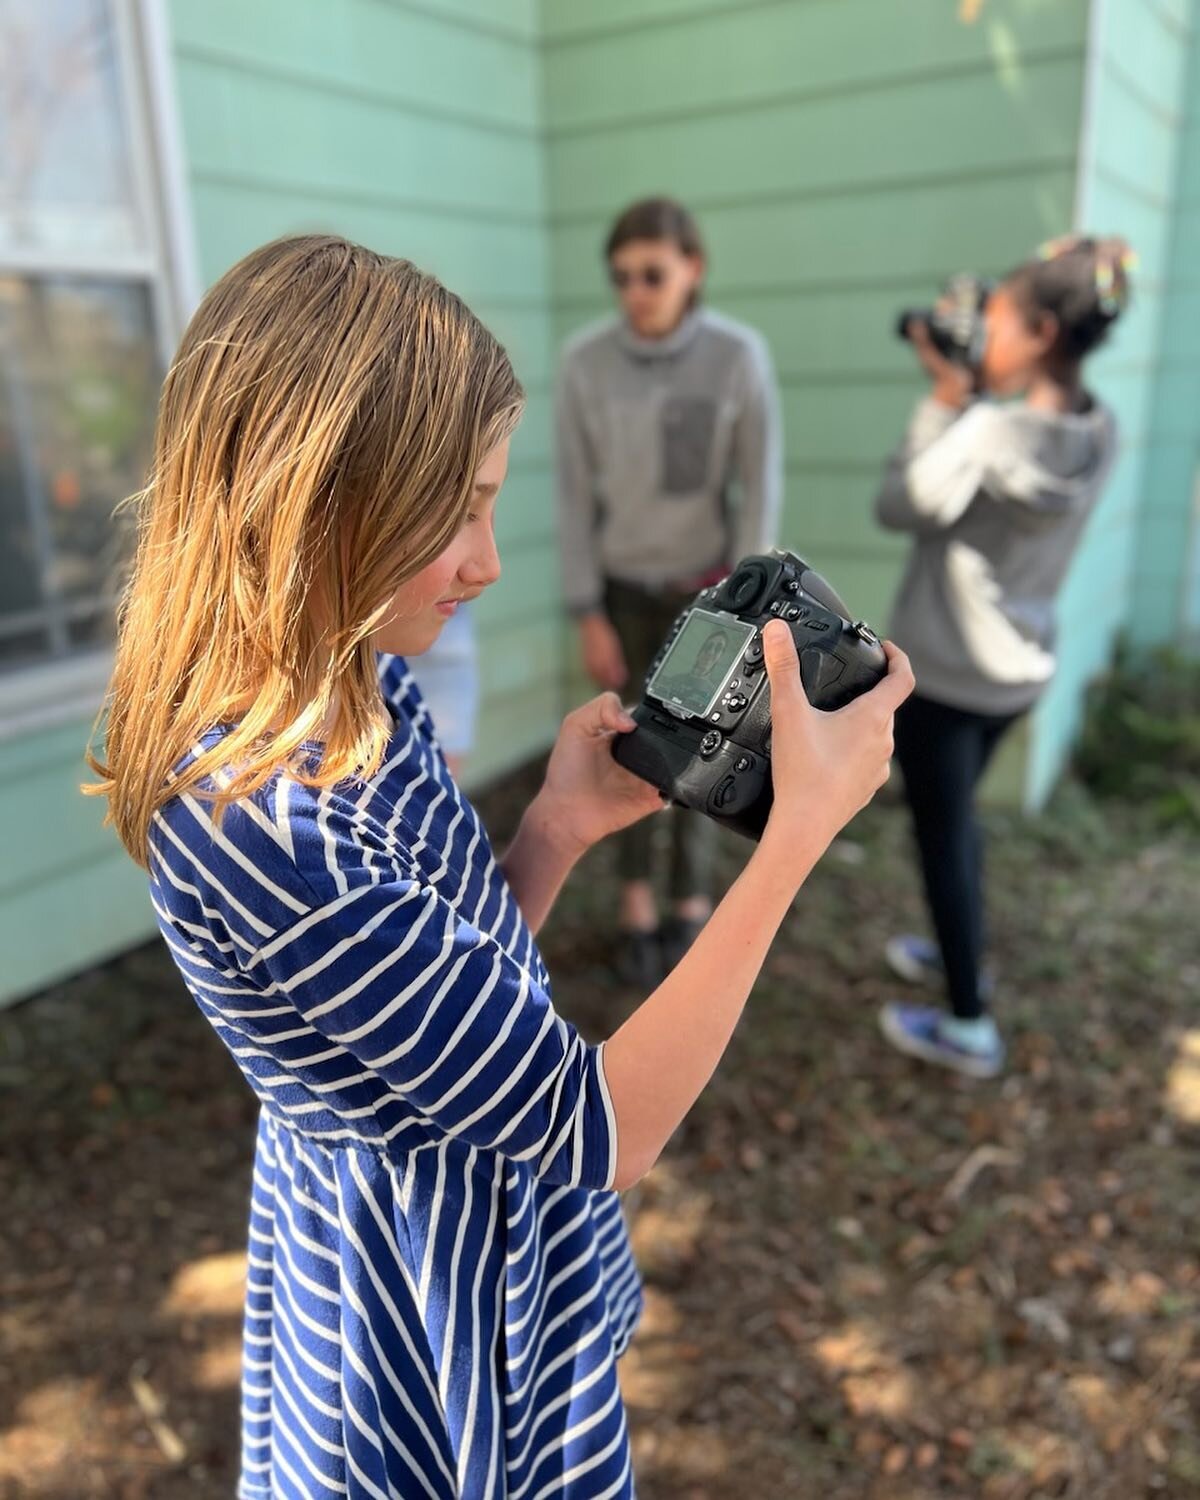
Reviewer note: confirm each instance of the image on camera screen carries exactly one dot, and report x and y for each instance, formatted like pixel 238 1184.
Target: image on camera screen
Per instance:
pixel 694 671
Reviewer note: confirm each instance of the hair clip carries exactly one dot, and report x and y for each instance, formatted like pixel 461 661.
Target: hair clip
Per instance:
pixel 1112 294
pixel 1052 249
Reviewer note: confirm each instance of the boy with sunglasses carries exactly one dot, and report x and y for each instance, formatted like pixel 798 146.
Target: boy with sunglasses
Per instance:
pixel 670 468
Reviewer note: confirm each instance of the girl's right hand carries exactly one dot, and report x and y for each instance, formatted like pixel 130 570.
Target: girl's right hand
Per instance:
pixel 825 766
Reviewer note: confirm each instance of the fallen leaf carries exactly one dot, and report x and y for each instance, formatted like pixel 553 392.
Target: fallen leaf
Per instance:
pixel 794 1326
pixel 1101 1226
pixel 1040 1313
pixel 1156 1449
pixel 895 1460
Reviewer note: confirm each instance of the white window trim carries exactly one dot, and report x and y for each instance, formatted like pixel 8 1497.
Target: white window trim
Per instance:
pixel 47 695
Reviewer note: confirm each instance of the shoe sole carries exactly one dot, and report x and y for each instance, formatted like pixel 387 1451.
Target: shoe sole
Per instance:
pixel 963 1063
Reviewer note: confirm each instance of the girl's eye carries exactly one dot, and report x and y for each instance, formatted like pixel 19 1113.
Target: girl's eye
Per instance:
pixel 471 516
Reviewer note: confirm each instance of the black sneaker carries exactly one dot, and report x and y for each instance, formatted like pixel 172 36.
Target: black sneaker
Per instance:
pixel 639 961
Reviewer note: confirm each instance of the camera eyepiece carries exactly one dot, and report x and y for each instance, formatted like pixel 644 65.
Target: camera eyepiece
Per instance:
pixel 743 587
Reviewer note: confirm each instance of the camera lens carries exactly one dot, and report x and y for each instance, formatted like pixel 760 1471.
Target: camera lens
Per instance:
pixel 743 587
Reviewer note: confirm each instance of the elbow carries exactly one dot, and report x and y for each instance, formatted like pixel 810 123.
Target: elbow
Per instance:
pixel 632 1166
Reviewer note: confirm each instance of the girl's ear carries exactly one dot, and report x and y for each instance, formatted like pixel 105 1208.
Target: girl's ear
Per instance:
pixel 698 266
pixel 1046 331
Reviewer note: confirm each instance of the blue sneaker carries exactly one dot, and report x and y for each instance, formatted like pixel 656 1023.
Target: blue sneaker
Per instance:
pixel 917 959
pixel 925 1032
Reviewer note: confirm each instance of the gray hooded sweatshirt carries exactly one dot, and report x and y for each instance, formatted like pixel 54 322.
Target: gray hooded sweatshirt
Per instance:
pixel 652 437
pixel 997 497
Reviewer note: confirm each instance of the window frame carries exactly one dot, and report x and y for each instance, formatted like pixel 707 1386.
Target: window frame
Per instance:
pixel 59 690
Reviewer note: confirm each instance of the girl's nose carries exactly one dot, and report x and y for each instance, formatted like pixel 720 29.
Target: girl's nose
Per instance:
pixel 483 566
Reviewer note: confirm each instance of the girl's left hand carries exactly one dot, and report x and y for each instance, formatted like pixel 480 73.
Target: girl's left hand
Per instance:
pixel 953 384
pixel 586 794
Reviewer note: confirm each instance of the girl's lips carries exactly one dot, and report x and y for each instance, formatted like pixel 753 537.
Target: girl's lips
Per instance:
pixel 446 607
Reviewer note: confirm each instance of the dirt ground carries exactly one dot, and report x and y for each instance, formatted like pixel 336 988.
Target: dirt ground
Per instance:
pixel 863 1280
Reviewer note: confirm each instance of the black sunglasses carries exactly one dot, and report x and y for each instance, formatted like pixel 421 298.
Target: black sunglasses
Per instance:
pixel 651 276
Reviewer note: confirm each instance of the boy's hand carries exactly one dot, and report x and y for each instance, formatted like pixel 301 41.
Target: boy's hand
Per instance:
pixel 603 659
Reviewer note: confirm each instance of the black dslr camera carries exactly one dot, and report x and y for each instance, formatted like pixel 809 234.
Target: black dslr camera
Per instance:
pixel 704 722
pixel 957 325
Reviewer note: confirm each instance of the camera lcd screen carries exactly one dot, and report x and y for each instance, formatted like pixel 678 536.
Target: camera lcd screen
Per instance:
pixel 693 674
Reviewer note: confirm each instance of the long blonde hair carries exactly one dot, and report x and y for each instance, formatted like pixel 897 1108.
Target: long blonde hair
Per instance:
pixel 318 436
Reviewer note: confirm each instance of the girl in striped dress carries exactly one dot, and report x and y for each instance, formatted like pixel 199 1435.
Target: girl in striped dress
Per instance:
pixel 440 1283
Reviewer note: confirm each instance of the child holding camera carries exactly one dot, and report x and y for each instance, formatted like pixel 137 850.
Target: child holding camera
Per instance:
pixel 440 1282
pixel 996 497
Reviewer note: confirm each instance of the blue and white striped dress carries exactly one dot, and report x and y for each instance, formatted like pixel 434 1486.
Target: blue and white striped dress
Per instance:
pixel 440 1283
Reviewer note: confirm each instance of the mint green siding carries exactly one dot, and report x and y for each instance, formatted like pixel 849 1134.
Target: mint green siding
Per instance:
pixel 69 894
pixel 1166 583
pixel 417 131
pixel 842 159
pixel 1129 570
pixel 843 156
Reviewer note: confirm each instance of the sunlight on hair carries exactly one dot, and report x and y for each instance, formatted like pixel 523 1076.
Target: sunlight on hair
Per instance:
pixel 305 466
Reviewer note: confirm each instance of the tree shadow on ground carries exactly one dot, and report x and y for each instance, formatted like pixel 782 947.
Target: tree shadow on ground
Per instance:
pixel 863 1280
pixel 867 1279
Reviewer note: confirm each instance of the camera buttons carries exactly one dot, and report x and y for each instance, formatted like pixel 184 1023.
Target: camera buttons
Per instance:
pixel 725 792
pixel 710 744
pixel 736 702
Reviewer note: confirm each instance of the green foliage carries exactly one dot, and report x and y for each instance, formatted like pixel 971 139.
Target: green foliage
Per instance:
pixel 1141 739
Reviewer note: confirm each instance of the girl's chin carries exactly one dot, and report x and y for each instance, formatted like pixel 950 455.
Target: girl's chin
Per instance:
pixel 413 640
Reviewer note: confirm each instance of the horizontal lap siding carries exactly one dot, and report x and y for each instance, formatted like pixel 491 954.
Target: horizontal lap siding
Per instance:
pixel 843 157
pixel 69 895
pixel 1128 573
pixel 416 130
pixel 1166 586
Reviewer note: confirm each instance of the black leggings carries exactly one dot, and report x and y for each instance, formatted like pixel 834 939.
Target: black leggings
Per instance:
pixel 943 752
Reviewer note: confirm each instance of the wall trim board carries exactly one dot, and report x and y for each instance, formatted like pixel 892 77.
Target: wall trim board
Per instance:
pixel 716 289
pixel 1181 31
pixel 1151 200
pixel 861 188
pixel 400 202
pixel 884 83
pixel 666 21
pixel 207 55
pixel 1173 119
pixel 462 21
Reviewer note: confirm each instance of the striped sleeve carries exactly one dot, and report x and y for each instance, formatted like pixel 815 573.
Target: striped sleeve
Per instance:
pixel 451 1023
